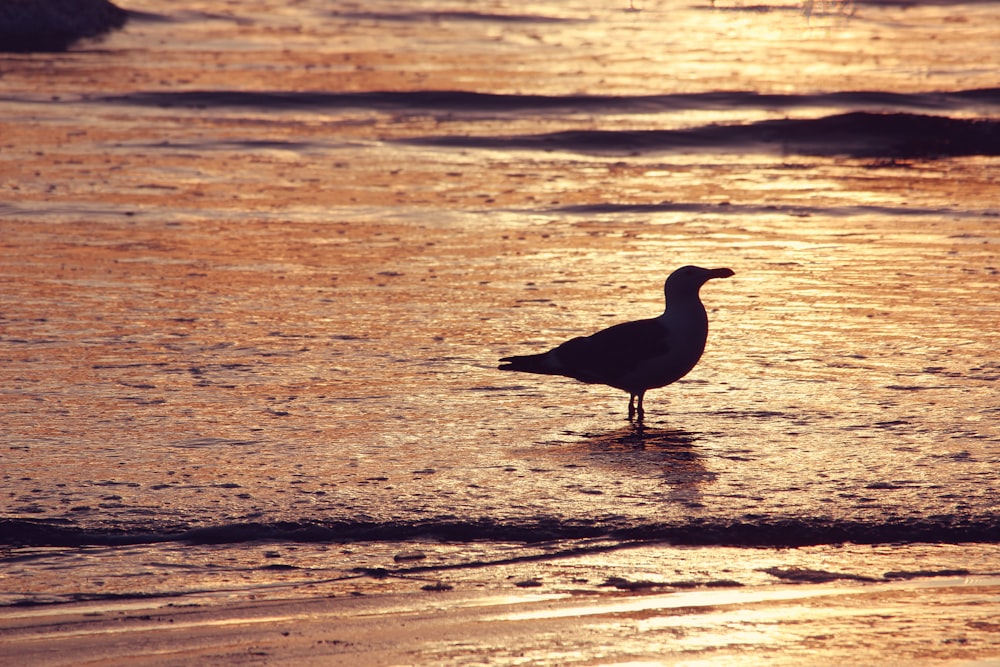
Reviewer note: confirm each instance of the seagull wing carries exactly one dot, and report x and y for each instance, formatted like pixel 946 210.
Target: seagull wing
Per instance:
pixel 611 354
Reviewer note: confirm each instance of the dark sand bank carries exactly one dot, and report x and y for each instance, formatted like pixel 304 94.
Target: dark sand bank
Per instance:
pixel 28 26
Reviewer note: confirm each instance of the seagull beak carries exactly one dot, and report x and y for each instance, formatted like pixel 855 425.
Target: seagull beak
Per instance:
pixel 720 273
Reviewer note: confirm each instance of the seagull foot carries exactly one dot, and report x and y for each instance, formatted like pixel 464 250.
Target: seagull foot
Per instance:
pixel 635 407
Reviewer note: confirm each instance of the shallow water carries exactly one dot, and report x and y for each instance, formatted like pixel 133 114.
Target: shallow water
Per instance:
pixel 259 264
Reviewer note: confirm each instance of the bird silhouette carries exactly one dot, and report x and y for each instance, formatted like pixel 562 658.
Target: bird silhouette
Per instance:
pixel 636 356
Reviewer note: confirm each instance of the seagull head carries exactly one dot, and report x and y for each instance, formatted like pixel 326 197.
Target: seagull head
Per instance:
pixel 685 282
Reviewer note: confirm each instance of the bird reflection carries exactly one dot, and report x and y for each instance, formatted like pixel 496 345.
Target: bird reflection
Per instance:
pixel 639 436
pixel 641 451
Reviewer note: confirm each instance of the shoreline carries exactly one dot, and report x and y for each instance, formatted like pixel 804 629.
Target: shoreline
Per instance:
pixel 779 624
pixel 657 604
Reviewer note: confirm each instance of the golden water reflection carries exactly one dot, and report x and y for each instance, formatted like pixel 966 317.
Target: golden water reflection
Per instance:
pixel 222 314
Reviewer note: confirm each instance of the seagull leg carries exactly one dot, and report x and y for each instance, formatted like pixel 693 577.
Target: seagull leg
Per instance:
pixel 631 407
pixel 639 410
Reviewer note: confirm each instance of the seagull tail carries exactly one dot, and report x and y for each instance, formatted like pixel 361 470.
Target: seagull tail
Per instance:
pixel 529 363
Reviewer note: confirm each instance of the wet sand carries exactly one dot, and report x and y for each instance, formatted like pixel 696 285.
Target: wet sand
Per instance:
pixel 575 610
pixel 459 629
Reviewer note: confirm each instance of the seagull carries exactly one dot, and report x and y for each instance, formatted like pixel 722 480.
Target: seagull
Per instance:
pixel 636 356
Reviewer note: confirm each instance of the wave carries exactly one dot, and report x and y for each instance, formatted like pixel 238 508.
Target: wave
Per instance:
pixel 857 134
pixel 458 100
pixel 873 124
pixel 443 16
pixel 797 210
pixel 756 532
